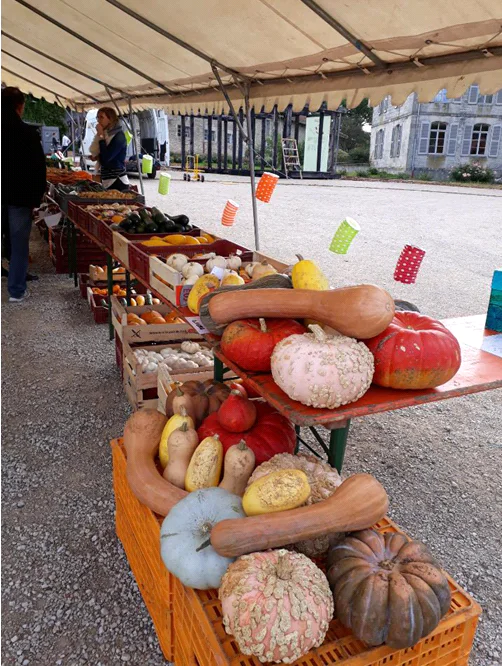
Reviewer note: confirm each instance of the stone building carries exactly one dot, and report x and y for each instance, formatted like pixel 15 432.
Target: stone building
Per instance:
pixel 433 138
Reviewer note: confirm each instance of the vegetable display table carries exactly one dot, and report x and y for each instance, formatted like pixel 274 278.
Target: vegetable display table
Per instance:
pixel 189 623
pixel 480 371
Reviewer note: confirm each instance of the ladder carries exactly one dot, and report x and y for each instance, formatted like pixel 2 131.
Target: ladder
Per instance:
pixel 291 157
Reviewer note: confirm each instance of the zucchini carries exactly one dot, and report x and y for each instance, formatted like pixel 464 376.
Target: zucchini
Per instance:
pixel 148 298
pixel 145 215
pixel 158 217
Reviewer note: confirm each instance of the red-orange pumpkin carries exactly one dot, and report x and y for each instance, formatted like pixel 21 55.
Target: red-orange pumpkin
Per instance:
pixel 414 352
pixel 272 433
pixel 250 342
pixel 237 413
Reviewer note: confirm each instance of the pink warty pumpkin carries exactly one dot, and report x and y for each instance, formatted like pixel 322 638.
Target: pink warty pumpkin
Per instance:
pixel 322 370
pixel 277 605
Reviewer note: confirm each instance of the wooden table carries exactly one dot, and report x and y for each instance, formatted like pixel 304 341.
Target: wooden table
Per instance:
pixel 480 371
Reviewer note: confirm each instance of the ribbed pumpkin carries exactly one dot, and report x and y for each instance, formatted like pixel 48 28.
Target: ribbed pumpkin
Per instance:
pixel 250 342
pixel 272 433
pixel 322 370
pixel 414 352
pixel 277 605
pixel 323 480
pixel 387 589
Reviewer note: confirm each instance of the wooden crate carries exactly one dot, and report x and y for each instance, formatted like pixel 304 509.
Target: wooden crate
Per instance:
pixel 149 380
pixel 121 248
pixel 193 619
pixel 168 282
pixel 151 332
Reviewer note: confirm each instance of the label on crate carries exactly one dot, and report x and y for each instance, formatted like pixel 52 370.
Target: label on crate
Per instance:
pixel 52 220
pixel 197 325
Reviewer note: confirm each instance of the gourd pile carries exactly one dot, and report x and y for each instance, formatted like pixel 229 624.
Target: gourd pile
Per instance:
pixel 189 356
pixel 244 526
pixel 243 513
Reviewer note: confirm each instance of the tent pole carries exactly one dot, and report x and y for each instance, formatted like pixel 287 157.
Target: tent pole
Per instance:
pixel 136 148
pixel 251 167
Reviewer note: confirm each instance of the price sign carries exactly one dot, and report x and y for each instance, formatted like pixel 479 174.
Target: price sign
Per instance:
pixel 197 325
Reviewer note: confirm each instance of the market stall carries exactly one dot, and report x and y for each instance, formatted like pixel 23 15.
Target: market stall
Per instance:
pixel 246 549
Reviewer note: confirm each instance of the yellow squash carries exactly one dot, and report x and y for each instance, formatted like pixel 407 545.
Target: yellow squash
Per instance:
pixel 203 286
pixel 175 422
pixel 175 239
pixel 278 491
pixel 204 470
pixel 306 274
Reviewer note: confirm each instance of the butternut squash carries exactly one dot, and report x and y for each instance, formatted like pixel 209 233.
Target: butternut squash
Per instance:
pixel 204 470
pixel 237 468
pixel 277 491
pixel 181 445
pixel 142 435
pixel 176 421
pixel 358 503
pixel 184 399
pixel 360 312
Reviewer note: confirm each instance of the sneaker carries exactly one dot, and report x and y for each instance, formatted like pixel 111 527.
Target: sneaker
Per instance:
pixel 13 299
pixel 5 272
pixel 31 278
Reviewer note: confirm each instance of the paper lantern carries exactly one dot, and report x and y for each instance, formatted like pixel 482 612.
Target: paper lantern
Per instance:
pixel 344 236
pixel 229 213
pixel 266 186
pixel 408 264
pixel 147 164
pixel 164 183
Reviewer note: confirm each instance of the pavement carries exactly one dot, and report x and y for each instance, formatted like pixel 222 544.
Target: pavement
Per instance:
pixel 68 595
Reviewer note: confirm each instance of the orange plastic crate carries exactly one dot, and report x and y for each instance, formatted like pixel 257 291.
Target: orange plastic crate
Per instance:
pixel 200 638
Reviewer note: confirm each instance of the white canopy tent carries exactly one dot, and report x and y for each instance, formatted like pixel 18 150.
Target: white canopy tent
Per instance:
pixel 195 56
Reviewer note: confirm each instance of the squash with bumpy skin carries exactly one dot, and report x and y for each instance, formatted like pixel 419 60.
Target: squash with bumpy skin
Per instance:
pixel 320 370
pixel 185 532
pixel 277 605
pixel 323 481
pixel 386 588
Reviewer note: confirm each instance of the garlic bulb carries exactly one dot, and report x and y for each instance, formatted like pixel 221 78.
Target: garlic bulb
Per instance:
pixel 250 267
pixel 176 261
pixel 234 262
pixel 191 279
pixel 218 261
pixel 191 268
pixel 190 347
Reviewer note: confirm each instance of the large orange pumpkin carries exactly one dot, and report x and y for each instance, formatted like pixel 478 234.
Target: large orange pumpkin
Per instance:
pixel 414 352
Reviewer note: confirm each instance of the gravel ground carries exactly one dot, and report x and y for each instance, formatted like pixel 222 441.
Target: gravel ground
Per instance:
pixel 69 597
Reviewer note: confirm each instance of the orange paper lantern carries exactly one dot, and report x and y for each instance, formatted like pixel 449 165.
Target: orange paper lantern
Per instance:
pixel 266 186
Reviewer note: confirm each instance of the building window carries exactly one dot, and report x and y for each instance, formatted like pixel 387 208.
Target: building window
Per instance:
pixel 384 105
pixel 395 145
pixel 206 135
pixel 437 137
pixel 187 131
pixel 485 99
pixel 379 144
pixel 473 94
pixel 479 139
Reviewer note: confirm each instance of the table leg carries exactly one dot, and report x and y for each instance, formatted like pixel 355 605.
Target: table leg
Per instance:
pixel 75 278
pixel 297 446
pixel 218 370
pixel 70 246
pixel 337 444
pixel 109 274
pixel 128 287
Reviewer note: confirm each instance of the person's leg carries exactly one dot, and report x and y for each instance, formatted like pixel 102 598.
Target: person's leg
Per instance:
pixel 20 228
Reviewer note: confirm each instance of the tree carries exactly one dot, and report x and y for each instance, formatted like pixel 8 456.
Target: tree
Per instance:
pixel 352 134
pixel 45 113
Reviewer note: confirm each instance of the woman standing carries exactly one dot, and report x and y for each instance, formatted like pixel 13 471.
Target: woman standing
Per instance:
pixel 112 150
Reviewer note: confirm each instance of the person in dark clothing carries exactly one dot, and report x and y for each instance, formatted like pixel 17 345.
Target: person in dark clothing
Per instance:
pixel 23 186
pixel 112 150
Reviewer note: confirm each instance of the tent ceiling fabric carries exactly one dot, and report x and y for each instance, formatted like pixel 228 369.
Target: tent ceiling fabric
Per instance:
pixel 286 51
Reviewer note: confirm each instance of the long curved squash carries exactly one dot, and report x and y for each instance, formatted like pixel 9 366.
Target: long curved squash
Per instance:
pixel 142 434
pixel 359 312
pixel 358 503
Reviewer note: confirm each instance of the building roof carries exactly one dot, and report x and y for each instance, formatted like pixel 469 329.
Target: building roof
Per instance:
pixel 285 51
